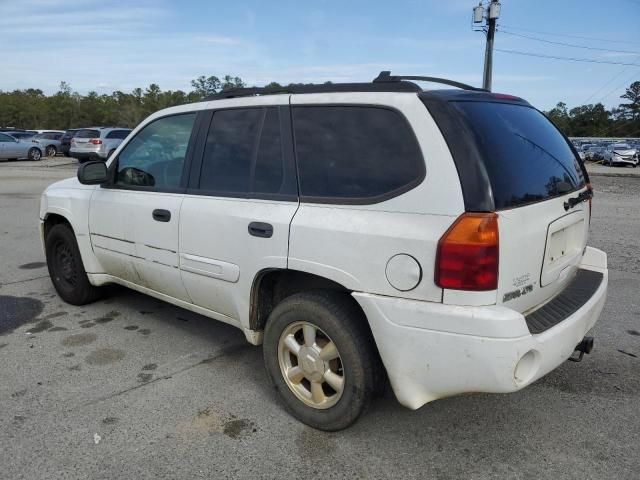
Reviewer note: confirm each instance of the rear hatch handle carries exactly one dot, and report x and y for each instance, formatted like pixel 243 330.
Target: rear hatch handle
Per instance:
pixel 582 197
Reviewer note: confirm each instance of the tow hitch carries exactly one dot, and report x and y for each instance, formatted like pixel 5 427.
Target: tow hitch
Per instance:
pixel 585 346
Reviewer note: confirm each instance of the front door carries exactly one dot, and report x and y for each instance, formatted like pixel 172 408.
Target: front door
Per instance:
pixel 237 211
pixel 134 221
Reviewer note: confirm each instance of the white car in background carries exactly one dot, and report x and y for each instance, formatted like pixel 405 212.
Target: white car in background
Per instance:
pixel 621 154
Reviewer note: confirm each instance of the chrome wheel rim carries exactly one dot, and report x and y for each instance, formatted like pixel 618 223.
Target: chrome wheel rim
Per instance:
pixel 311 365
pixel 35 154
pixel 51 152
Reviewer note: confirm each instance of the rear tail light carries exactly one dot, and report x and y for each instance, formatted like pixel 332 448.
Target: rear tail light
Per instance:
pixel 95 141
pixel 467 257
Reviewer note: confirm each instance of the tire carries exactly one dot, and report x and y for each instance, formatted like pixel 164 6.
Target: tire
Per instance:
pixel 65 267
pixel 50 151
pixel 34 154
pixel 356 371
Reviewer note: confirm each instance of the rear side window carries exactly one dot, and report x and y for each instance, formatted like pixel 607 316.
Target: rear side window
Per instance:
pixel 244 154
pixel 527 159
pixel 118 134
pixel 355 154
pixel 87 134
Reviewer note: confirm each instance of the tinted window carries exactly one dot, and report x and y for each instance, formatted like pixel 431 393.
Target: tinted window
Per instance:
pixel 244 153
pixel 5 138
pixel 87 134
pixel 155 156
pixel 526 157
pixel 119 134
pixel 355 152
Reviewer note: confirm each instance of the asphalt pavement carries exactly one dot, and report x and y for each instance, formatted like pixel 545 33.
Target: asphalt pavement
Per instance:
pixel 131 387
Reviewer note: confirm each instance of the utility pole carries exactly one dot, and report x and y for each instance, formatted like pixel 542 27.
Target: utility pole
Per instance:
pixel 490 19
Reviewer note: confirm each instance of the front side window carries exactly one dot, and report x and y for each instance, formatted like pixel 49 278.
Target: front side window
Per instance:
pixel 155 156
pixel 244 154
pixel 352 153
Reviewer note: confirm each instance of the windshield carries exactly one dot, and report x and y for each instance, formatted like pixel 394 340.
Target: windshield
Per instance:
pixel 527 159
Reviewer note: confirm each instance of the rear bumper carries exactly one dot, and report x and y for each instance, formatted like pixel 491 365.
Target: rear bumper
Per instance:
pixel 483 349
pixel 86 155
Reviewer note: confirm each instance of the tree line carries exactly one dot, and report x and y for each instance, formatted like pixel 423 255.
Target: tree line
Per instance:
pixel 31 108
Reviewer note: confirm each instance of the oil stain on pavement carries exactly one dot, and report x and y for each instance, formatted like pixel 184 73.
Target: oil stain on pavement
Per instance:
pixel 32 265
pixel 104 356
pixel 79 339
pixel 16 311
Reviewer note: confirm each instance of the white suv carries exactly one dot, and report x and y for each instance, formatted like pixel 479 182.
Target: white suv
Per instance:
pixel 358 231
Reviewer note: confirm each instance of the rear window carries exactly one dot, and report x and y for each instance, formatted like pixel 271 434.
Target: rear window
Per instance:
pixel 527 159
pixel 355 154
pixel 87 134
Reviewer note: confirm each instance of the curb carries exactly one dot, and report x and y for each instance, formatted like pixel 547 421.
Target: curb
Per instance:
pixel 607 174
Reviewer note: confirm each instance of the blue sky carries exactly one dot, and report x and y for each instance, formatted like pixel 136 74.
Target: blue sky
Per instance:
pixel 122 44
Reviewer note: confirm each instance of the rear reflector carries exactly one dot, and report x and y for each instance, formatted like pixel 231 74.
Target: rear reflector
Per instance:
pixel 467 257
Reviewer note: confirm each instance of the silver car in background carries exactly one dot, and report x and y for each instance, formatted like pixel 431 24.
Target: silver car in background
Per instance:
pixel 620 154
pixel 49 142
pixel 11 148
pixel 97 143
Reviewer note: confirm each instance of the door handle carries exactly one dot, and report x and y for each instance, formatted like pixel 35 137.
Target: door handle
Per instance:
pixel 160 215
pixel 260 229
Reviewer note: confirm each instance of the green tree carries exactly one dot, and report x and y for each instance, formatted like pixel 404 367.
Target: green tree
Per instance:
pixel 632 94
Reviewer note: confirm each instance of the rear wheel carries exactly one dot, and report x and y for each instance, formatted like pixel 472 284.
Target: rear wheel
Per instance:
pixel 321 358
pixel 34 154
pixel 65 267
pixel 51 151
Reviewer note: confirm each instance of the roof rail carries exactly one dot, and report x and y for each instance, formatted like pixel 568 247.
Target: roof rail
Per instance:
pixel 317 88
pixel 385 76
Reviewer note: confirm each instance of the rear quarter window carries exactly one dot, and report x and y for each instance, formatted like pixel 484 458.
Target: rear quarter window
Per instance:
pixel 527 159
pixel 355 154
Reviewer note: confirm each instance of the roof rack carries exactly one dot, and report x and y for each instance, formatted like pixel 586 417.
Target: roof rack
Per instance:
pixel 385 76
pixel 385 82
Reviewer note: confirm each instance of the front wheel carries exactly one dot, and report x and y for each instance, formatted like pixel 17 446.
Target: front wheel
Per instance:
pixel 34 154
pixel 321 358
pixel 65 267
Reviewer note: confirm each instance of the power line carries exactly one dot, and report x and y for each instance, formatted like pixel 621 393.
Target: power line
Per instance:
pixel 567 44
pixel 570 36
pixel 618 87
pixel 612 79
pixel 572 59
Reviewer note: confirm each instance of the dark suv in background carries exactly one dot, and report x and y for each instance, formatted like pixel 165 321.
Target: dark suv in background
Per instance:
pixel 65 141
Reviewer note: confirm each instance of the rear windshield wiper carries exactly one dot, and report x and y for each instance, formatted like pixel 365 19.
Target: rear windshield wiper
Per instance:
pixel 582 197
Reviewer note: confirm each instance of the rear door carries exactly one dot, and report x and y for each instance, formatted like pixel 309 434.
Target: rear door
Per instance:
pixel 533 175
pixel 236 214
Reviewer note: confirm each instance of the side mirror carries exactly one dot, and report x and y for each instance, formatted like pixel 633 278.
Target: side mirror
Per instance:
pixel 92 173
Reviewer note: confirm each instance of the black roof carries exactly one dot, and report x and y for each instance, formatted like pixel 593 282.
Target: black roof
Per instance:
pixel 385 82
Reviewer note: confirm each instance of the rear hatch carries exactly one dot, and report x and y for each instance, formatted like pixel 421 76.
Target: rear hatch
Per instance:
pixel 86 141
pixel 531 174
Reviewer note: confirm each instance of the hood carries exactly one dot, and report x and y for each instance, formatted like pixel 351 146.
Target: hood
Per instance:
pixel 69 183
pixel 624 151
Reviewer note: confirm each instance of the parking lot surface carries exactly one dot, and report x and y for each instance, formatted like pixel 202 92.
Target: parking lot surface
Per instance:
pixel 130 387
